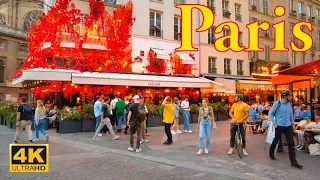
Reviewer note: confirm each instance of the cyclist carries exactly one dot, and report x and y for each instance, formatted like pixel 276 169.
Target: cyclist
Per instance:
pixel 239 114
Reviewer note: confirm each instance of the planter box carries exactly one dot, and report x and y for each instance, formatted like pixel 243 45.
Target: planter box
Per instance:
pixel 223 116
pixel 194 118
pixel 1 121
pixel 181 119
pixel 155 121
pixel 46 124
pixel 13 126
pixel 69 126
pixel 88 125
pixel 8 124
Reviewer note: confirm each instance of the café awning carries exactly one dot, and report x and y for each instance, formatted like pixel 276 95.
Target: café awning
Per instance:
pixel 45 75
pixel 142 80
pixel 161 54
pixel 186 59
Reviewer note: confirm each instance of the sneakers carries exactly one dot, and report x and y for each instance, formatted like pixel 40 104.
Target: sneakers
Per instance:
pixel 167 143
pixel 189 131
pixel 100 135
pixel 245 152
pixel 36 140
pixel 144 140
pixel 138 150
pixel 301 148
pixel 130 149
pixel 206 150
pixel 172 132
pixel 230 151
pixel 199 152
pixel 14 142
pixel 179 132
pixel 47 137
pixel 185 131
pixel 116 137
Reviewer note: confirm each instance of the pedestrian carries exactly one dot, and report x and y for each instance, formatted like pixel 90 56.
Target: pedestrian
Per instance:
pixel 168 118
pixel 186 114
pixel 120 107
pixel 127 109
pixel 205 123
pixel 113 113
pixel 175 127
pixel 105 120
pixel 125 113
pixel 281 115
pixel 39 120
pixel 23 120
pixel 239 114
pixel 143 123
pixel 97 112
pixel 134 123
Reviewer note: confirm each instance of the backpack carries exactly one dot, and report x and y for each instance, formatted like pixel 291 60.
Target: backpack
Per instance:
pixel 279 105
pixel 27 112
pixel 141 115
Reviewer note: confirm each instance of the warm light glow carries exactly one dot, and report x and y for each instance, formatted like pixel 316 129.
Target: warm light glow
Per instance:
pixel 197 92
pixel 118 92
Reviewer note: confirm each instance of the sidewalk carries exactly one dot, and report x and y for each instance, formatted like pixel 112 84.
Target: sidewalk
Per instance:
pixel 182 154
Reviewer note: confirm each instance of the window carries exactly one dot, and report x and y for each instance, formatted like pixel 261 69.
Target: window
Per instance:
pixel 303 58
pixel 3 44
pixel 313 56
pixel 238 16
pixel 227 66
pixel 155 24
pixel 225 5
pixel 265 7
pixel 211 36
pixel 255 55
pixel 23 47
pixel 30 19
pixel 319 39
pixel 240 67
pixel 300 8
pixel 211 3
pixel 309 8
pixel 253 4
pixel 267 51
pixel 2 76
pixel 294 62
pixel 226 42
pixel 291 30
pixel 291 5
pixel 3 20
pixel 176 2
pixel 240 39
pixel 212 65
pixel 318 16
pixel 177 28
pixel 110 1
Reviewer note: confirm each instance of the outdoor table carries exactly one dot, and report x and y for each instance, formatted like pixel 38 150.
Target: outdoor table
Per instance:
pixel 309 136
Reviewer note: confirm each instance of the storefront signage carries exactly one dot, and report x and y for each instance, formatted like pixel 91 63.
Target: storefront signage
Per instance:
pixel 154 84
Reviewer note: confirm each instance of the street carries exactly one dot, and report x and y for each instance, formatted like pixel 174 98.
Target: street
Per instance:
pixel 77 156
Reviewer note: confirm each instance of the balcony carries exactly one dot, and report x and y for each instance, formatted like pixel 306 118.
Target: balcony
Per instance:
pixel 212 70
pixel 226 13
pixel 293 13
pixel 227 71
pixel 254 7
pixel 238 17
pixel 155 31
pixel 240 72
pixel 176 2
pixel 13 32
pixel 302 16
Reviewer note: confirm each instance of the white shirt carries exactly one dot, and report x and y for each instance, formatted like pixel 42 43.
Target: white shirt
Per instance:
pixel 113 104
pixel 185 104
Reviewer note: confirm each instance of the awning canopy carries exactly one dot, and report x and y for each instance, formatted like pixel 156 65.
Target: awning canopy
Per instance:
pixel 45 75
pixel 186 59
pixel 161 54
pixel 141 80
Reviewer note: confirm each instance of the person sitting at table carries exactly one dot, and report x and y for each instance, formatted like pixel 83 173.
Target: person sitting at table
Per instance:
pixel 253 116
pixel 53 115
pixel 307 113
pixel 304 124
pixel 298 111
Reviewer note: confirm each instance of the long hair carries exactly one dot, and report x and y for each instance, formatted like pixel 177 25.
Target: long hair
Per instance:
pixel 40 106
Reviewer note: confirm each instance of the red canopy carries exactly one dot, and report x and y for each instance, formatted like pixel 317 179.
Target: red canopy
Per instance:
pixel 307 69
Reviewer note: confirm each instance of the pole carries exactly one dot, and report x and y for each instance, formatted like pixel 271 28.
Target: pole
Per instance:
pixel 311 105
pixel 276 92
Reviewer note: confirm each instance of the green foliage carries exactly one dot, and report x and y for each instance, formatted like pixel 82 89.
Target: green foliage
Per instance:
pixel 70 115
pixel 10 112
pixel 194 108
pixel 2 109
pixel 88 112
pixel 218 107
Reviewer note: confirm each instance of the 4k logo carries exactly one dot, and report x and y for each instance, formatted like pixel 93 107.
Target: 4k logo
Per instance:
pixel 29 158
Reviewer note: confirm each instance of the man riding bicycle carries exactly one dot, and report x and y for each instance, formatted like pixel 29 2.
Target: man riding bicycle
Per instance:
pixel 239 114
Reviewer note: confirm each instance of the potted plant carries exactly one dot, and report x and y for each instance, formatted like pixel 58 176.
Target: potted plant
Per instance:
pixel 222 110
pixel 88 120
pixel 194 113
pixel 215 110
pixel 155 115
pixel 10 115
pixel 70 121
pixel 2 105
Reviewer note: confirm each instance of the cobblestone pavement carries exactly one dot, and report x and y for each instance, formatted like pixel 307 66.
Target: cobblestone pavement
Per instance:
pixel 77 155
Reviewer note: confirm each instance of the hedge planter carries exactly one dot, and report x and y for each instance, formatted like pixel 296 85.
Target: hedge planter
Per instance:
pixel 69 126
pixel 155 121
pixel 1 121
pixel 8 124
pixel 223 116
pixel 88 125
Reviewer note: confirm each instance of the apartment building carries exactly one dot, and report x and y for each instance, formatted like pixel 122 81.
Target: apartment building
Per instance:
pixel 15 18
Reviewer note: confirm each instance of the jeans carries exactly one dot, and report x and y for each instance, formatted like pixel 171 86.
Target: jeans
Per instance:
pixel 135 127
pixel 288 131
pixel 167 129
pixel 205 128
pixel 186 116
pixel 40 127
pixel 119 119
pixel 233 131
pixel 98 121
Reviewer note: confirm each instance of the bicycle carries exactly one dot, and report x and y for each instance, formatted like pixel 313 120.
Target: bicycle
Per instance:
pixel 239 141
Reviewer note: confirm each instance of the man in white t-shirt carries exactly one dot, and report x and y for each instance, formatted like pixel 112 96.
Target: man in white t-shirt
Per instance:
pixel 186 114
pixel 113 117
